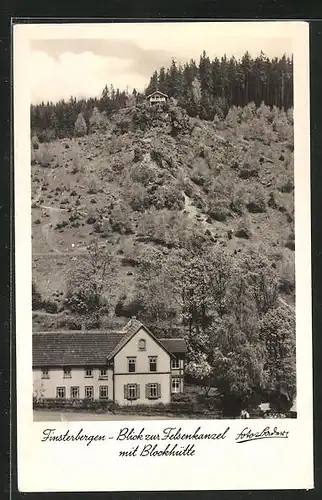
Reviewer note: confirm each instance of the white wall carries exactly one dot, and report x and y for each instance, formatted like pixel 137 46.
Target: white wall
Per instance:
pixel 56 379
pixel 142 375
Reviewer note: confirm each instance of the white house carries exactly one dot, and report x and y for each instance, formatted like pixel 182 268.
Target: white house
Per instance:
pixel 129 366
pixel 157 97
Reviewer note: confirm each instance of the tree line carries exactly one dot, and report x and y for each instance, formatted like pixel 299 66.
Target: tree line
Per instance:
pixel 207 88
pixel 213 86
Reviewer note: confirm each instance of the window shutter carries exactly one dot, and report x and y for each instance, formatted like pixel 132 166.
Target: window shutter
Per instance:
pixel 147 391
pixel 125 391
pixel 159 390
pixel 138 391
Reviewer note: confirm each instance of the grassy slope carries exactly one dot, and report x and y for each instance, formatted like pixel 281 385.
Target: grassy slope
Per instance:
pixel 93 173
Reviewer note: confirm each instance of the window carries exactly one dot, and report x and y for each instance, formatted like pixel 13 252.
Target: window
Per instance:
pixel 153 363
pixel 74 392
pixel 175 385
pixel 131 391
pixel 67 372
pixel 45 373
pixel 175 363
pixel 89 391
pixel 103 392
pixel 103 373
pixel 153 391
pixel 89 372
pixel 132 364
pixel 61 392
pixel 142 345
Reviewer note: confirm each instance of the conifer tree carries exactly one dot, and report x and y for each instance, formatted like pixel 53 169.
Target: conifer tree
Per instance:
pixel 80 127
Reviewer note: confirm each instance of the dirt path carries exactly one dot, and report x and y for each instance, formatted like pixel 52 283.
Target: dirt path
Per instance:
pixel 47 229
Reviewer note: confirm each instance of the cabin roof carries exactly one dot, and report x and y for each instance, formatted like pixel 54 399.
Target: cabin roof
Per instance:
pixel 156 92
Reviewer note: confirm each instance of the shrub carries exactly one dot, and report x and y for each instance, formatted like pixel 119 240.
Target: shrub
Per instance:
pixel 50 307
pixel 256 201
pixel 287 280
pixel 37 221
pixel 272 200
pixel 168 196
pixel 247 171
pixel 138 154
pixel 243 229
pixel 238 201
pixel 218 210
pixel 127 308
pixel 120 219
pixel 290 242
pixel 37 302
pixel 92 187
pixel 143 174
pixel 287 186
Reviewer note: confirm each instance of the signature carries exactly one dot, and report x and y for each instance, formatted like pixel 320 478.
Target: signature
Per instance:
pixel 268 432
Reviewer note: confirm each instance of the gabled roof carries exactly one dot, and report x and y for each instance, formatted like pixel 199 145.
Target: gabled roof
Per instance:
pixel 89 348
pixel 131 328
pixel 156 92
pixel 176 346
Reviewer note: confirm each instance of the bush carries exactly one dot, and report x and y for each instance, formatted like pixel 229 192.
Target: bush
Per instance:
pixel 120 219
pixel 92 188
pixel 37 302
pixel 143 174
pixel 238 201
pixel 290 242
pixel 126 308
pixel 243 229
pixel 218 210
pixel 50 307
pixel 138 154
pixel 247 171
pixel 256 201
pixel 287 186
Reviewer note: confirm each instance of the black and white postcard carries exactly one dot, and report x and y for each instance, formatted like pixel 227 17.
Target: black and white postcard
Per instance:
pixel 163 286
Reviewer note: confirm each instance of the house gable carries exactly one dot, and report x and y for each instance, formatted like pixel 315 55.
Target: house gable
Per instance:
pixel 132 348
pixel 131 329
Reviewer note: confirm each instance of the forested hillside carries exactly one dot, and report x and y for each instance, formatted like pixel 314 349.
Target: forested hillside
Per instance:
pixel 185 222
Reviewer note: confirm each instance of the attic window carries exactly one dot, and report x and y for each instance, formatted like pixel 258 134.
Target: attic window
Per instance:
pixel 142 345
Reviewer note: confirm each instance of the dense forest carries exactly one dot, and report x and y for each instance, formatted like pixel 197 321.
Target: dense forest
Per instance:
pixel 206 89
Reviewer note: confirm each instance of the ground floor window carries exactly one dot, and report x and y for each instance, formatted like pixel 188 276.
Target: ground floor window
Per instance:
pixel 89 391
pixel 103 391
pixel 60 392
pixel 131 391
pixel 153 391
pixel 74 392
pixel 175 385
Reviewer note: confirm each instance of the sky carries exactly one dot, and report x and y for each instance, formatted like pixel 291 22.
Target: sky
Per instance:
pixel 80 63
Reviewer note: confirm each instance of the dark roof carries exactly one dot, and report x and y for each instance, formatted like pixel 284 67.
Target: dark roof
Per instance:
pixel 72 348
pixel 89 348
pixel 175 345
